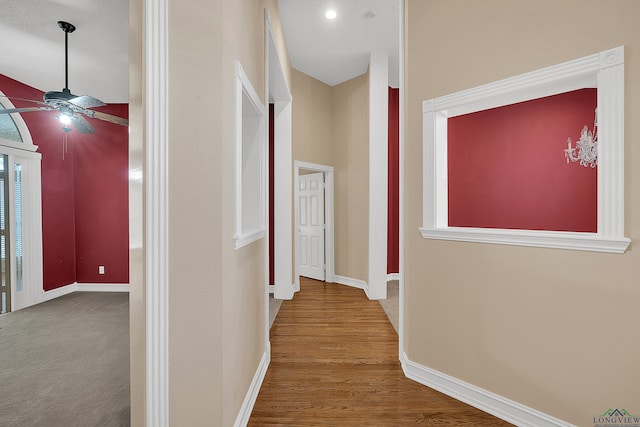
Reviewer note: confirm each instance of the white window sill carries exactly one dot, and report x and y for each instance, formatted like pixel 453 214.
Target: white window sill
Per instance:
pixel 541 239
pixel 248 237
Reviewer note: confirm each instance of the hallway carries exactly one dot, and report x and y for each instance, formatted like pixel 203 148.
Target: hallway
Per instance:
pixel 334 361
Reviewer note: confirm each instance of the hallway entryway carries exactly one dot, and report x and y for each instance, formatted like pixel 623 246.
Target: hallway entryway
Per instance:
pixel 334 361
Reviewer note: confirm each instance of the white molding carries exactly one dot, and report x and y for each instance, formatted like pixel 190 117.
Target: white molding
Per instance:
pixel 244 236
pixel 285 291
pixel 24 153
pixel 354 283
pixel 611 156
pixel 378 173
pixel 19 149
pixel 393 276
pixel 252 394
pixel 32 268
pixel 248 238
pixel 102 287
pixel 23 129
pixel 604 70
pixel 156 102
pixel 477 397
pixel 248 88
pixel 534 238
pixel 43 295
pixel 329 242
pixel 313 166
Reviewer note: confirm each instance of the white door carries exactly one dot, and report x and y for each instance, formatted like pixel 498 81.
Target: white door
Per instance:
pixel 311 225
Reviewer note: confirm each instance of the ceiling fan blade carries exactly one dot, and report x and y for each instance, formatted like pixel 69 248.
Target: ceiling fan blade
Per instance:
pixel 22 99
pixel 82 124
pixel 108 118
pixel 24 110
pixel 86 101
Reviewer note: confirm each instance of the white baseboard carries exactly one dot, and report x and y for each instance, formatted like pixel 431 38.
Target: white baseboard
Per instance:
pixel 348 281
pixel 102 287
pixel 81 287
pixel 56 293
pixel 272 289
pixel 393 276
pixel 484 400
pixel 252 394
pixel 284 292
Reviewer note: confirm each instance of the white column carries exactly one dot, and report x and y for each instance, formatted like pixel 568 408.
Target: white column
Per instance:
pixel 283 199
pixel 378 171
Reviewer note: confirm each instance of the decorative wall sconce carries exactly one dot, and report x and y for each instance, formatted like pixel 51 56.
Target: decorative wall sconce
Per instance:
pixel 586 146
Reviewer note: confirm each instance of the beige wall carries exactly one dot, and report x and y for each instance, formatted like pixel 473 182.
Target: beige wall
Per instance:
pixel 216 293
pixel 312 118
pixel 243 282
pixel 555 330
pixel 195 216
pixel 351 176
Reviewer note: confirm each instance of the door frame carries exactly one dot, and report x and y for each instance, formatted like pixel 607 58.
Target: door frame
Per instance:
pixel 316 271
pixel 328 219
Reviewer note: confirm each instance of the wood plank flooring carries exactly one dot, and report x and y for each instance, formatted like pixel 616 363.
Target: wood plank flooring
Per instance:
pixel 334 362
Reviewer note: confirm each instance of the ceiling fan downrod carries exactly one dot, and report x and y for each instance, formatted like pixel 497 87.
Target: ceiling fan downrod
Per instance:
pixel 67 28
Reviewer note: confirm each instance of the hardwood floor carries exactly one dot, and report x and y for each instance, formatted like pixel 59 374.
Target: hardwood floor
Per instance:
pixel 334 362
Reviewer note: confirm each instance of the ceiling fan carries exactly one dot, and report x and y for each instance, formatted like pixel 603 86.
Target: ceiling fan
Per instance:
pixel 71 107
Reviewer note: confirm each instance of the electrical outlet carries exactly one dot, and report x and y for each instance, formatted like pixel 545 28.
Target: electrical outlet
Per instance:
pixel 101 269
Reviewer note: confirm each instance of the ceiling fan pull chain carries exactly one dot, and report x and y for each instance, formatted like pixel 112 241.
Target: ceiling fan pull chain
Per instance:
pixel 65 142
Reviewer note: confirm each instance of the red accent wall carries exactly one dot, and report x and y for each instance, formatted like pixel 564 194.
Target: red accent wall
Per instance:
pixel 507 167
pixel 102 200
pixel 393 214
pixel 85 220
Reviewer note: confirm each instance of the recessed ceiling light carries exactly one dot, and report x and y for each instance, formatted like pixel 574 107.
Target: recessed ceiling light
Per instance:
pixel 331 14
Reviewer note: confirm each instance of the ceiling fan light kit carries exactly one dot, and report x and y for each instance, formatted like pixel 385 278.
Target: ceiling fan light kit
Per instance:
pixel 72 107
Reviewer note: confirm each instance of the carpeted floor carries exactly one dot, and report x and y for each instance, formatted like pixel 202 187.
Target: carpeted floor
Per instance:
pixel 65 362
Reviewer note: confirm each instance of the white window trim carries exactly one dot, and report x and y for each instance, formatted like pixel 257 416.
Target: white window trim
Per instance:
pixel 242 236
pixel 25 153
pixel 27 141
pixel 604 70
